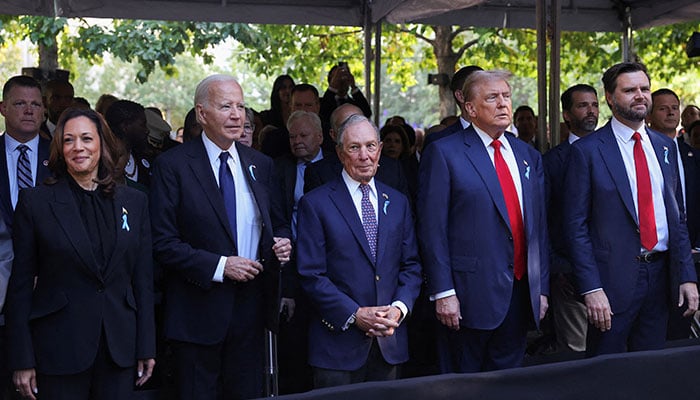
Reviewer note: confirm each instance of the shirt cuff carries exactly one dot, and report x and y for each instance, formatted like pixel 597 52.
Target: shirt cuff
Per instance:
pixel 219 272
pixel 442 295
pixel 401 306
pixel 591 291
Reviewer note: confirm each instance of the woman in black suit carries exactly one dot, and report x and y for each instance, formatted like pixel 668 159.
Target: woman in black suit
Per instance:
pixel 80 298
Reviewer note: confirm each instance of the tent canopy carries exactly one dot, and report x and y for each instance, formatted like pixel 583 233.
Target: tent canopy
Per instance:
pixel 577 15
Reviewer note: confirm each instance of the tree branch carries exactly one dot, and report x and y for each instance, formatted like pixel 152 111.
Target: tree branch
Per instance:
pixel 458 31
pixel 464 47
pixel 416 34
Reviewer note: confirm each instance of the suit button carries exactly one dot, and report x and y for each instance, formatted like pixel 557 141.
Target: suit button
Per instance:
pixel 510 266
pixel 637 230
pixel 376 278
pixel 510 238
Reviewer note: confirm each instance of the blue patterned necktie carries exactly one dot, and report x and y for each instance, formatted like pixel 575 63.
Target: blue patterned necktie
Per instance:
pixel 228 192
pixel 369 220
pixel 24 169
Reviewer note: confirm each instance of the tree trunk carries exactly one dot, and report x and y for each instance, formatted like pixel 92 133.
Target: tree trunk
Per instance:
pixel 446 61
pixel 48 58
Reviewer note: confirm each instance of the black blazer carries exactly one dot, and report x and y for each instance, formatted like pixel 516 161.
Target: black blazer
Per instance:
pixel 42 172
pixel 691 167
pixel 56 325
pixel 191 233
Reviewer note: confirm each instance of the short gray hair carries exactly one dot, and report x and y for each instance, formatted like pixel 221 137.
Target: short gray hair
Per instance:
pixel 312 118
pixel 201 94
pixel 354 120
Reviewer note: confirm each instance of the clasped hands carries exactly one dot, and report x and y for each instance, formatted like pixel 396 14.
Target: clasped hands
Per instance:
pixel 241 269
pixel 378 321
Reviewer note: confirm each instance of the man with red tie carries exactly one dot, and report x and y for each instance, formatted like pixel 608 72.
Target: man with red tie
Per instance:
pixel 483 234
pixel 625 223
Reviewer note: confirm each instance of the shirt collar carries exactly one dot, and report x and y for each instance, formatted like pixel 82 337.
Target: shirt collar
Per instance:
pixel 505 144
pixel 573 137
pixel 11 144
pixel 624 132
pixel 464 122
pixel 354 185
pixel 319 156
pixel 214 151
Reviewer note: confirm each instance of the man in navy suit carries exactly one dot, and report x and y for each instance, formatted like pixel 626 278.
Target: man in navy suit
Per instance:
pixel 213 222
pixel 456 86
pixel 483 234
pixel 23 110
pixel 579 105
pixel 625 223
pixel 358 262
pixel 664 117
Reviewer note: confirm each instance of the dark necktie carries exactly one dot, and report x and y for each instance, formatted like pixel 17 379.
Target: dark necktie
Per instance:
pixel 369 220
pixel 228 192
pixel 24 169
pixel 645 203
pixel 510 195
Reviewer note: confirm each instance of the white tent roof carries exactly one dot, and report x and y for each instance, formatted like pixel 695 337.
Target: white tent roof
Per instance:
pixel 580 15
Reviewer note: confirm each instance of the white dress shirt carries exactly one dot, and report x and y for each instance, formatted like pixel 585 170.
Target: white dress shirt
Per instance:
pixel 248 218
pixel 623 135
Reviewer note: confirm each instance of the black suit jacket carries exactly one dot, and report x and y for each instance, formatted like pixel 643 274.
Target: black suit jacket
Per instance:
pixel 42 172
pixel 191 233
pixel 554 172
pixel 323 171
pixel 691 166
pixel 55 325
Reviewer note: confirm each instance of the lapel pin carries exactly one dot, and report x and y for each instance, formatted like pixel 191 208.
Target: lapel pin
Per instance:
pixel 690 154
pixel 125 222
pixel 251 170
pixel 665 154
pixel 527 171
pixel 45 163
pixel 386 202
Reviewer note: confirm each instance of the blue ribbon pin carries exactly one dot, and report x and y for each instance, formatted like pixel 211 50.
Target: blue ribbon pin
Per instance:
pixel 125 222
pixel 527 172
pixel 666 154
pixel 386 202
pixel 251 170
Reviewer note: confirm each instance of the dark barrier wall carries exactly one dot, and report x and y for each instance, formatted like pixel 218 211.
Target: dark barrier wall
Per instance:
pixel 658 375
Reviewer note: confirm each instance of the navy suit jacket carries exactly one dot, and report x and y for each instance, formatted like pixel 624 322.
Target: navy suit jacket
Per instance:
pixel 339 275
pixel 190 234
pixel 42 172
pixel 464 229
pixel 452 129
pixel 554 172
pixel 60 302
pixel 691 167
pixel 601 221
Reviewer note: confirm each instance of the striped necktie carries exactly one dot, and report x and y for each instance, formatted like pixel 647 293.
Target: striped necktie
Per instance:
pixel 24 168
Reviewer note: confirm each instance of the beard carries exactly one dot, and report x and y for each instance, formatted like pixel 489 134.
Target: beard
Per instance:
pixel 629 113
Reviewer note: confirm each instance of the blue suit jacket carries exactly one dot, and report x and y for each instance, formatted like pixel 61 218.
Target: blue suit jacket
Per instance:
pixel 452 129
pixel 464 229
pixel 42 172
pixel 191 232
pixel 554 172
pixel 339 275
pixel 601 220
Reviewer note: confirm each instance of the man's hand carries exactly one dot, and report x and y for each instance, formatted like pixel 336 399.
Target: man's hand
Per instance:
pixel 241 269
pixel 282 249
pixel 25 382
pixel 447 310
pixel 544 305
pixel 688 294
pixel 144 370
pixel 599 311
pixel 377 321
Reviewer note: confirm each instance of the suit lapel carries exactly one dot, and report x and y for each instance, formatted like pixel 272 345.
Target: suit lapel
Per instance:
pixel 68 216
pixel 125 223
pixel 665 157
pixel 200 166
pixel 479 157
pixel 385 216
pixel 343 202
pixel 42 161
pixel 252 174
pixel 610 154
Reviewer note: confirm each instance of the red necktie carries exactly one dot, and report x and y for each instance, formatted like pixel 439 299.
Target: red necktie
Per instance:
pixel 645 203
pixel 510 195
